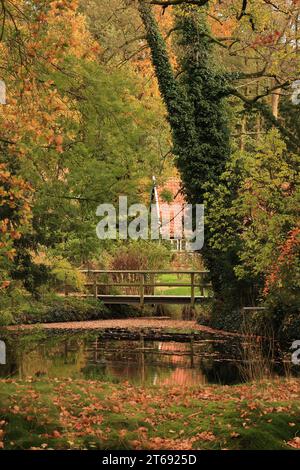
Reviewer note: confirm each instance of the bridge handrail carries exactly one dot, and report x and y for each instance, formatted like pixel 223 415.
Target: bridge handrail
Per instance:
pixel 142 282
pixel 138 271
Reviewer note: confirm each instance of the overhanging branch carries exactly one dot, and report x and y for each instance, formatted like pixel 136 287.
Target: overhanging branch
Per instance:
pixel 167 3
pixel 262 107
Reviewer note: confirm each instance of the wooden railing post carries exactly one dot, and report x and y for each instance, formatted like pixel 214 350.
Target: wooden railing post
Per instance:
pixel 192 289
pixel 95 287
pixel 142 289
pixel 202 284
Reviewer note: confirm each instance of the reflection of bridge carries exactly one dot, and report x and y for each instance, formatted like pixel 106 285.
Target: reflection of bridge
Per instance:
pixel 142 287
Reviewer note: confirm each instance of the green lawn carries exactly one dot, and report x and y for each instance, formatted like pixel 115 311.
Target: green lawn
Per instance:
pixel 79 414
pixel 174 278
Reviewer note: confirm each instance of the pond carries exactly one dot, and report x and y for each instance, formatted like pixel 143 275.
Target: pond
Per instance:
pixel 142 362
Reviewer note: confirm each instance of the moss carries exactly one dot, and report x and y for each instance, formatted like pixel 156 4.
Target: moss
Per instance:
pixel 119 416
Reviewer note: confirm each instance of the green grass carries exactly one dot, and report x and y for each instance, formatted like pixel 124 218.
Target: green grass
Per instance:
pixel 66 414
pixel 174 278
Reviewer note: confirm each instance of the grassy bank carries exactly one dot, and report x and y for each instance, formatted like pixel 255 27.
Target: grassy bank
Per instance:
pixel 53 309
pixel 65 414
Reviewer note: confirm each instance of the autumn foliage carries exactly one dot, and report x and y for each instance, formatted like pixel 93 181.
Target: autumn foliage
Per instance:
pixel 15 195
pixel 35 121
pixel 289 251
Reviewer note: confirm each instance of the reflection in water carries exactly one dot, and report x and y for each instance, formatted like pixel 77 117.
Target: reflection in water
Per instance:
pixel 140 362
pixel 145 362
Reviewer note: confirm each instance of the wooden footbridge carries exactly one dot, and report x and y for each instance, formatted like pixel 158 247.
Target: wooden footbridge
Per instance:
pixel 147 287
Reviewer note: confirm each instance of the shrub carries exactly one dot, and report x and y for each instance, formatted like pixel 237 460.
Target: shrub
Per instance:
pixel 71 309
pixel 140 254
pixel 66 274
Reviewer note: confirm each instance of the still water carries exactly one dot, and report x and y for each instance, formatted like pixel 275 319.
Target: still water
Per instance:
pixel 155 363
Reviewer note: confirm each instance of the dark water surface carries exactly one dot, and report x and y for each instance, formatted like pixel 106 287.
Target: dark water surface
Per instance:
pixel 157 363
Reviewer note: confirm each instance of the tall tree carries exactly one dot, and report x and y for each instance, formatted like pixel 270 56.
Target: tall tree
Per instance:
pixel 196 112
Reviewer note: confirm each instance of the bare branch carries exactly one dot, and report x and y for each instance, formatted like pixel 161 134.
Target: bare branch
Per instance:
pixel 167 3
pixel 267 113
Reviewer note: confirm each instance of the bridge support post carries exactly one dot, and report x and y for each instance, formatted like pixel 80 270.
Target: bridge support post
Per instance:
pixel 142 289
pixel 202 284
pixel 192 290
pixel 192 351
pixel 142 356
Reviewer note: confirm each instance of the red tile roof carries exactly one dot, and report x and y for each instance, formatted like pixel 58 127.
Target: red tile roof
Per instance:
pixel 175 207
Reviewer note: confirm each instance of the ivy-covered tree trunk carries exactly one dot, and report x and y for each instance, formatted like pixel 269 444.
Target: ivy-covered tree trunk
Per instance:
pixel 180 112
pixel 197 116
pixel 194 102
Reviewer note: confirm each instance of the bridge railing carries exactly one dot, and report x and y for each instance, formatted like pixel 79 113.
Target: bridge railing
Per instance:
pixel 142 283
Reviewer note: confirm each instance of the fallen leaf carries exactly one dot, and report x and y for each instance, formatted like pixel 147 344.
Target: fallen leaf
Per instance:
pixel 295 443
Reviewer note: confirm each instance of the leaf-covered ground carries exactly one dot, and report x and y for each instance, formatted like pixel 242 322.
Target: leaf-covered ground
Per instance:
pixel 128 323
pixel 66 414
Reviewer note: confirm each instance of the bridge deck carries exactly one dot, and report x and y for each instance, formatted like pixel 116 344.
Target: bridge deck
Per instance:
pixel 149 299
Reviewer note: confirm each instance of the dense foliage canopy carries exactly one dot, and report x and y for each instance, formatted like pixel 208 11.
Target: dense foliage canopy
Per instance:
pixel 97 103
